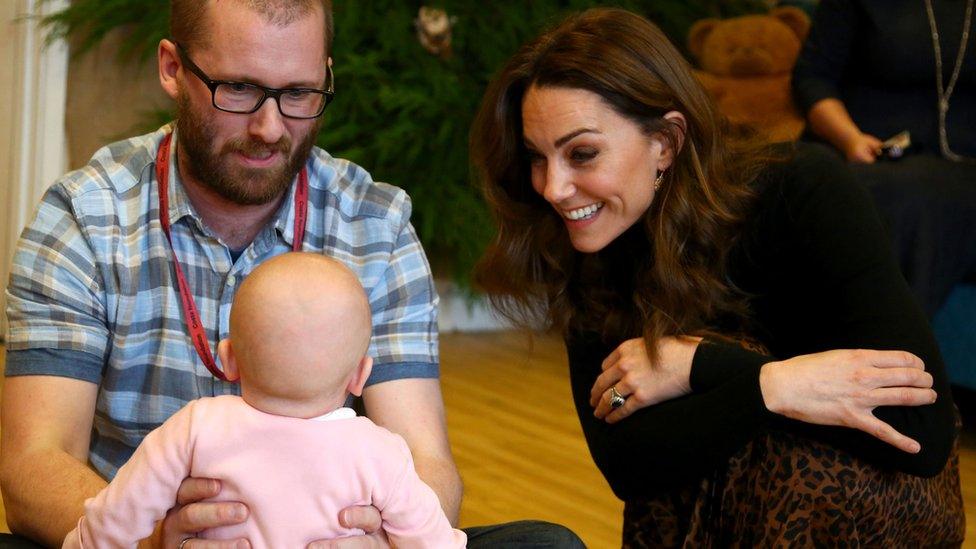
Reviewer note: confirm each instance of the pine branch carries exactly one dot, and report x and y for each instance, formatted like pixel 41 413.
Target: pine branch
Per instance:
pixel 400 112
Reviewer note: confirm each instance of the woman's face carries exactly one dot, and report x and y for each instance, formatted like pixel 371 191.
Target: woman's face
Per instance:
pixel 594 166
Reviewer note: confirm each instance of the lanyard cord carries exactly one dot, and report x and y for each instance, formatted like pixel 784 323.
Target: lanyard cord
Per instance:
pixel 945 91
pixel 190 312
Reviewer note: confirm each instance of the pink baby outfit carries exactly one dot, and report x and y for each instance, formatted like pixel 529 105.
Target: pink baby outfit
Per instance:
pixel 294 475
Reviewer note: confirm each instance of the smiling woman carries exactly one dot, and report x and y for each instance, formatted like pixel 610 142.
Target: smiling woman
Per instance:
pixel 711 291
pixel 582 145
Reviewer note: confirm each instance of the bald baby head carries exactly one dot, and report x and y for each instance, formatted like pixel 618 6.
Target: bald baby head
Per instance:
pixel 299 326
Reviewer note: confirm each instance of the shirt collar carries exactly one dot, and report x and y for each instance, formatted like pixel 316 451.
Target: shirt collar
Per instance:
pixel 338 413
pixel 179 203
pixel 284 220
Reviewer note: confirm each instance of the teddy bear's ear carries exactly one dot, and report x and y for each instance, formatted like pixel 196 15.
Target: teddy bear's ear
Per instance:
pixel 699 33
pixel 795 18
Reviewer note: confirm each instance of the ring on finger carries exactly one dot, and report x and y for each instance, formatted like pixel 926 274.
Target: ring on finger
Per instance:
pixel 182 543
pixel 616 399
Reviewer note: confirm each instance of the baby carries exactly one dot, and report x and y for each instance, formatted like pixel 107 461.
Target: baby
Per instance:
pixel 287 448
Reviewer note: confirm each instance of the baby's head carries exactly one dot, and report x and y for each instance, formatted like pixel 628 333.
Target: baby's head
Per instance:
pixel 299 331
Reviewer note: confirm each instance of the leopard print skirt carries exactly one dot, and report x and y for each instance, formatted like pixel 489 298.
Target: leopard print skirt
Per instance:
pixel 784 490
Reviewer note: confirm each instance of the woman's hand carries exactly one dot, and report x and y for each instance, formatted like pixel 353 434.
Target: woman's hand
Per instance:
pixel 191 515
pixel 843 387
pixel 630 371
pixel 862 148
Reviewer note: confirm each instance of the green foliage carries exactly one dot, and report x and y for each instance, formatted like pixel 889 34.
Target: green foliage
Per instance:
pixel 146 22
pixel 399 111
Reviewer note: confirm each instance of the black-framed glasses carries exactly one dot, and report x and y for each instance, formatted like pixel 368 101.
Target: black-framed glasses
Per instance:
pixel 246 98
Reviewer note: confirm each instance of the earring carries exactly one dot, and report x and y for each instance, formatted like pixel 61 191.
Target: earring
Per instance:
pixel 657 182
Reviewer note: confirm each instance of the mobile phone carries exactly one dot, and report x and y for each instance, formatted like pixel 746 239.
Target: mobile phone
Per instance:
pixel 895 146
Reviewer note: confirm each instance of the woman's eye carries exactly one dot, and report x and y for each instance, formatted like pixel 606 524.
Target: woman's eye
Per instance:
pixel 583 155
pixel 536 158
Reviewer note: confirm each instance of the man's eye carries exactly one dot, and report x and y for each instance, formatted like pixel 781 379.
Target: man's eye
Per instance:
pixel 239 88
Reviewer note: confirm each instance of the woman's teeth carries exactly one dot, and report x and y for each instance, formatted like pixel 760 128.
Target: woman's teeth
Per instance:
pixel 585 212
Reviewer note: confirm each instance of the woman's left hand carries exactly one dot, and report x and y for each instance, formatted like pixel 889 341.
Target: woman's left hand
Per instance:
pixel 642 383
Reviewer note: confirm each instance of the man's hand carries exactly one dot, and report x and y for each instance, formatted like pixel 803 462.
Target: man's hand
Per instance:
pixel 366 518
pixel 191 516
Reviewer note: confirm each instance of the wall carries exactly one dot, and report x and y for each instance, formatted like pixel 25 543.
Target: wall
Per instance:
pixel 108 99
pixel 8 83
pixel 32 99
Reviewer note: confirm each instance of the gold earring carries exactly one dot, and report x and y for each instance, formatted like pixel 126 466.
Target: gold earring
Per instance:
pixel 657 182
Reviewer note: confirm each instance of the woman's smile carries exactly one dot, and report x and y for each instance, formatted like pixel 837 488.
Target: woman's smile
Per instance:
pixel 593 165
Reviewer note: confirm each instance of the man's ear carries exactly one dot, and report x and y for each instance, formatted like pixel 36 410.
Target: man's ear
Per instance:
pixel 360 375
pixel 225 350
pixel 169 67
pixel 672 142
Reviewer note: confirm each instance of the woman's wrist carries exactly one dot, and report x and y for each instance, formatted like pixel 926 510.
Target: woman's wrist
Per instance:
pixel 690 344
pixel 770 375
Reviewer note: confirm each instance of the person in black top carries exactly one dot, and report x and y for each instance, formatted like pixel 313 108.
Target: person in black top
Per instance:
pixel 873 68
pixel 747 363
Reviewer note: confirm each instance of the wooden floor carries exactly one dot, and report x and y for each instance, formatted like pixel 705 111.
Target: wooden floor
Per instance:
pixel 518 444
pixel 516 438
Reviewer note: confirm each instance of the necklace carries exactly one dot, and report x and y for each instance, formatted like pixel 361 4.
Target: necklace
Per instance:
pixel 945 93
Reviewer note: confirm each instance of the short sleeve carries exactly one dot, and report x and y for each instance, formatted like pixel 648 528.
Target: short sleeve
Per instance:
pixel 55 300
pixel 404 308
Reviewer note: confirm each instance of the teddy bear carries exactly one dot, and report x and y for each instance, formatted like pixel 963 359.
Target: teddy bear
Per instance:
pixel 746 65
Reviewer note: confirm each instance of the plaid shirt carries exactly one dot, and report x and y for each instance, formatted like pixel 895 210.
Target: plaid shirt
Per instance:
pixel 93 291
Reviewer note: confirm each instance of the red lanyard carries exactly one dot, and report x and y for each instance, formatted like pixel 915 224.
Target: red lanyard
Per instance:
pixel 190 312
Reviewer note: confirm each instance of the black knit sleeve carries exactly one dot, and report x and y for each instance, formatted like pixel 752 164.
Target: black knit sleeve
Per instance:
pixel 825 53
pixel 665 446
pixel 824 279
pixel 836 285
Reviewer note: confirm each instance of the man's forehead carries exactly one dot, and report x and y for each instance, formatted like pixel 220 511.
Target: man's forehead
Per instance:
pixel 243 44
pixel 236 25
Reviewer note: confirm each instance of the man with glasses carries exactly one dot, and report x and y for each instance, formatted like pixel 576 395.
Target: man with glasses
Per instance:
pixel 123 281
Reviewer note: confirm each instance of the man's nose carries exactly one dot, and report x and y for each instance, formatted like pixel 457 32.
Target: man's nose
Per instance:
pixel 267 122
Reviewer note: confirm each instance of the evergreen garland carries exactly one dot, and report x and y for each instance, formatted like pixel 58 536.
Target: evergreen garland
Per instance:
pixel 400 112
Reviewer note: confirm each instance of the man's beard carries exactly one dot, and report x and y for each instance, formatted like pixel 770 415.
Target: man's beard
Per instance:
pixel 221 174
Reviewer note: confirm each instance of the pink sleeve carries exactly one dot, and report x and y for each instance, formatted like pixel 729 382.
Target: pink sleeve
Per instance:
pixel 412 514
pixel 144 489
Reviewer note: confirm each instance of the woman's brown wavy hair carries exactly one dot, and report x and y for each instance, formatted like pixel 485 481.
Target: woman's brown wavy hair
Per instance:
pixel 666 275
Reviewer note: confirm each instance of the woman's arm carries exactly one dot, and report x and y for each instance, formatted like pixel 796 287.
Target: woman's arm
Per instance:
pixel 825 54
pixel 817 76
pixel 837 388
pixel 820 260
pixel 673 442
pixel 830 120
pixel 824 278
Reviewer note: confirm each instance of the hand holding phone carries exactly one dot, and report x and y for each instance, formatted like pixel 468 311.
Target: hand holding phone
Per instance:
pixel 895 146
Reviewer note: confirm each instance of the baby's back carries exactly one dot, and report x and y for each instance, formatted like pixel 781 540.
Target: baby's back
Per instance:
pixel 294 475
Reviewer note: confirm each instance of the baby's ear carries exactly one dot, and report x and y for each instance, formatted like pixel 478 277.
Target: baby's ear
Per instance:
pixel 227 359
pixel 359 376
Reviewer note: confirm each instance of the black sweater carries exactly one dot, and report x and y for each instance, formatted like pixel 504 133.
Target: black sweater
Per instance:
pixel 816 260
pixel 878 58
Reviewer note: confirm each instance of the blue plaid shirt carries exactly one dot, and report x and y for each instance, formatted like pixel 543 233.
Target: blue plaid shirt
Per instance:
pixel 93 291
